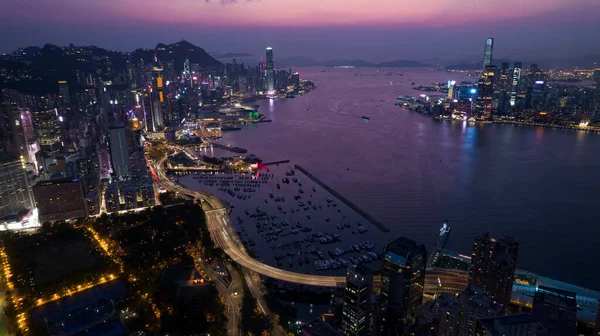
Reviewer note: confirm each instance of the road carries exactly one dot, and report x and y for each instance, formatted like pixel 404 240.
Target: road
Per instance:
pixel 231 294
pixel 253 285
pixel 437 280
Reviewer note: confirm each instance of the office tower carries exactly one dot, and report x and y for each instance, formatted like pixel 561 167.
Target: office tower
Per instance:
pixel 118 151
pixel 510 325
pixel 15 194
pixel 158 114
pixel 63 93
pixel 60 199
pixel 486 88
pixel 493 265
pixel 516 80
pixel 556 310
pixel 503 88
pixel 356 311
pixel 402 283
pixel 487 55
pixel 47 129
pixel 270 68
pixel 317 327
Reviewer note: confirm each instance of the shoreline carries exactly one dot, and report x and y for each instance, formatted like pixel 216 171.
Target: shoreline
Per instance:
pixel 508 122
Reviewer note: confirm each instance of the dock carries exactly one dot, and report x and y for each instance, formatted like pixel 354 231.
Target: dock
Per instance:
pixel 231 149
pixel 351 205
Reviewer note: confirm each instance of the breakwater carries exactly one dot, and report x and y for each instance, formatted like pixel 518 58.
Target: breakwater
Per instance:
pixel 351 205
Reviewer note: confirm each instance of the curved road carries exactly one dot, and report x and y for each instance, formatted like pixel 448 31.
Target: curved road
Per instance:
pixel 437 280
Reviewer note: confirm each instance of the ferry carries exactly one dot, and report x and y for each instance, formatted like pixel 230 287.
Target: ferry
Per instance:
pixel 365 117
pixel 444 233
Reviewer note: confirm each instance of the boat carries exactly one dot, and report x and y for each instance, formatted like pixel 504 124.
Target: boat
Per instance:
pixel 444 233
pixel 365 117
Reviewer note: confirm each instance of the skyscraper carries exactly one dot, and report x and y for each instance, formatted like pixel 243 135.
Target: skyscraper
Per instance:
pixel 493 265
pixel 270 70
pixel 486 92
pixel 15 194
pixel 487 55
pixel 516 80
pixel 47 128
pixel 63 93
pixel 356 311
pixel 118 151
pixel 402 283
pixel 556 310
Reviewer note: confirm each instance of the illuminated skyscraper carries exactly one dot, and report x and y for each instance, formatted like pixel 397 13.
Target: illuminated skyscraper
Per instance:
pixel 516 80
pixel 15 194
pixel 486 89
pixel 270 70
pixel 119 152
pixel 487 55
pixel 493 264
pixel 356 311
pixel 47 128
pixel 158 111
pixel 402 283
pixel 63 92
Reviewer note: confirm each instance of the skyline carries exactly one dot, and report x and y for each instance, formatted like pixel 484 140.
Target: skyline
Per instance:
pixel 324 30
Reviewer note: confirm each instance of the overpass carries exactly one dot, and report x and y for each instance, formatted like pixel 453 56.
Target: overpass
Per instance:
pixel 437 280
pixel 224 236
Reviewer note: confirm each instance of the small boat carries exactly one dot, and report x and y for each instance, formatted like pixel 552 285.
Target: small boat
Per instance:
pixel 365 117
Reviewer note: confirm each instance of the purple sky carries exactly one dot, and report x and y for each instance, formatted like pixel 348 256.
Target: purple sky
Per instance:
pixel 375 30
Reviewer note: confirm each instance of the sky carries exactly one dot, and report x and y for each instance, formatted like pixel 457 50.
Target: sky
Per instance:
pixel 374 30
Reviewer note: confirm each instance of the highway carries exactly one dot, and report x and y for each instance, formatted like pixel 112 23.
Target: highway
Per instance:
pixel 437 280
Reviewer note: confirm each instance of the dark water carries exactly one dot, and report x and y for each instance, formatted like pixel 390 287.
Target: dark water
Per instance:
pixel 540 186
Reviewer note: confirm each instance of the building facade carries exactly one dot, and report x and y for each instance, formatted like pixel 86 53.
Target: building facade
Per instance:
pixel 556 310
pixel 60 200
pixel 493 264
pixel 356 310
pixel 15 194
pixel 402 284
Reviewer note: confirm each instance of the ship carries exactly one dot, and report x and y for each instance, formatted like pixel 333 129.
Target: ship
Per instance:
pixel 365 117
pixel 444 234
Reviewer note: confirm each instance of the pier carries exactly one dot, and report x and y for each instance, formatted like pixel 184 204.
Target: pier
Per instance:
pixel 351 205
pixel 230 148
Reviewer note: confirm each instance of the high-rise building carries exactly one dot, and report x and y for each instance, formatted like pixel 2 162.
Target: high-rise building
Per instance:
pixel 356 310
pixel 516 81
pixel 493 264
pixel 460 316
pixel 15 194
pixel 47 128
pixel 119 151
pixel 402 284
pixel 503 88
pixel 158 114
pixel 556 310
pixel 486 90
pixel 510 325
pixel 60 199
pixel 63 93
pixel 270 71
pixel 487 55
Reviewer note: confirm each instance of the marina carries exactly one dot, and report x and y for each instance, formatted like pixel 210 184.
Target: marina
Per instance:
pixel 290 221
